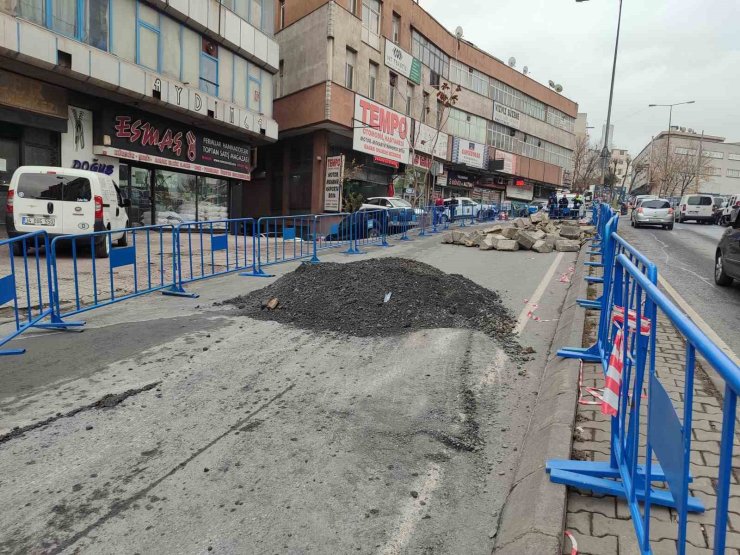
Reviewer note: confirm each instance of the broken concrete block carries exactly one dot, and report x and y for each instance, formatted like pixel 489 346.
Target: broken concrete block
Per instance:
pixel 522 223
pixel 457 237
pixel 539 217
pixel 507 245
pixel 538 234
pixel 551 228
pixel 526 239
pixel 472 239
pixel 570 232
pixel 588 229
pixel 567 245
pixel 542 246
pixel 494 229
pixel 552 238
pixel 488 243
pixel 509 232
pixel 448 239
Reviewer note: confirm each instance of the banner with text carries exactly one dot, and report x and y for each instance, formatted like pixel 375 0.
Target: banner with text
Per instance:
pixel 402 62
pixel 469 153
pixel 506 116
pixel 333 184
pixel 430 141
pixel 380 131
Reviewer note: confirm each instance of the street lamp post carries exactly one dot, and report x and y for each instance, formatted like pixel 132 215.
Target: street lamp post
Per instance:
pixel 605 151
pixel 668 140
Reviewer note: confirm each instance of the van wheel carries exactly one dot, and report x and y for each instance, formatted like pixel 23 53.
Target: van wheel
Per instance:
pixel 123 241
pixel 102 247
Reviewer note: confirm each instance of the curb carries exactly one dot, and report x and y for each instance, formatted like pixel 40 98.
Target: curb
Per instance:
pixel 533 517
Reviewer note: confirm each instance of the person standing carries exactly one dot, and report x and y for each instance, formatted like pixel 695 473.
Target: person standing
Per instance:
pixel 563 205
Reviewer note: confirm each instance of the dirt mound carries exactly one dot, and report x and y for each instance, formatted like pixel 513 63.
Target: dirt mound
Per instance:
pixel 351 299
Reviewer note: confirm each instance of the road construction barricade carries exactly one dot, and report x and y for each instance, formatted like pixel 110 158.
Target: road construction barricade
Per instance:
pixel 26 296
pixel 217 247
pixel 399 222
pixel 97 269
pixel 331 231
pixel 285 238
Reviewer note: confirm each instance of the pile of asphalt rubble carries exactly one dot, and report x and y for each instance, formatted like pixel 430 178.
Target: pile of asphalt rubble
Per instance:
pixel 536 233
pixel 382 297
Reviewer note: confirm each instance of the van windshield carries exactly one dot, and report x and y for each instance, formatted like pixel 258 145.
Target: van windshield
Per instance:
pixel 49 186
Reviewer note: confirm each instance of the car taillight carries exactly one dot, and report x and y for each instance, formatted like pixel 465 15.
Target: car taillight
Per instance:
pixel 737 204
pixel 98 207
pixel 670 210
pixel 9 202
pixel 639 210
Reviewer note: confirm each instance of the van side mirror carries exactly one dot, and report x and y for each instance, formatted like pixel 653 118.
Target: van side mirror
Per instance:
pixel 125 203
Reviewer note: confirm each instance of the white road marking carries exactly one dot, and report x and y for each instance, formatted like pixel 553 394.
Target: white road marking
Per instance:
pixel 537 295
pixel 698 320
pixel 412 512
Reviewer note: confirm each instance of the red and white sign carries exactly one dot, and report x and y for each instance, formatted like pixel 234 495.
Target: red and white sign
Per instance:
pixel 422 161
pixel 380 131
pixel 169 162
pixel 333 184
pixel 385 161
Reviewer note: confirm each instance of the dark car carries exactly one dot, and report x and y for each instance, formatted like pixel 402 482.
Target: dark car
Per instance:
pixel 727 258
pixel 363 224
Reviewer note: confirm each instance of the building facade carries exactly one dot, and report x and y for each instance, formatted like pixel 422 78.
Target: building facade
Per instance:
pixel 359 79
pixel 170 97
pixel 714 161
pixel 620 163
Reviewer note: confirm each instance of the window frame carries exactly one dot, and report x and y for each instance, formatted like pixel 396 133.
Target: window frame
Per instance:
pixel 349 69
pixel 156 30
pixel 201 79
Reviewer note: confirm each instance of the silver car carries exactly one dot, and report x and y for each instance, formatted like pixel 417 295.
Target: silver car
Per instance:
pixel 656 211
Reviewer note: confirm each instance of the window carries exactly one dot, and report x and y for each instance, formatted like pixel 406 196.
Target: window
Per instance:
pixel 353 6
pixel 371 16
pixel 686 151
pixel 711 170
pixel 425 108
pixel 255 13
pixel 733 156
pixel 699 200
pixel 84 20
pixel 349 69
pixel 209 67
pixel 33 10
pixel 409 98
pixel 733 173
pixel 396 34
pixel 97 24
pixel 392 89
pixel 655 204
pixel 713 154
pixel 63 14
pixel 282 13
pixel 281 74
pixel 42 186
pixel 171 47
pixel 430 54
pixel 466 126
pixel 373 81
pixel 147 32
pixel 254 98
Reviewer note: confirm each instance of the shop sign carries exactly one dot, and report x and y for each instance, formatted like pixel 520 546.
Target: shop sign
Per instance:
pixel 77 145
pixel 138 136
pixel 442 180
pixel 430 141
pixel 385 162
pixel 457 179
pixel 520 189
pixel 506 116
pixel 469 153
pixel 509 159
pixel 422 161
pixel 23 93
pixel 380 131
pixel 402 62
pixel 333 184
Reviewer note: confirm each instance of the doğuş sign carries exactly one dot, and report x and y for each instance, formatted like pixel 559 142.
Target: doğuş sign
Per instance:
pixel 148 139
pixel 380 131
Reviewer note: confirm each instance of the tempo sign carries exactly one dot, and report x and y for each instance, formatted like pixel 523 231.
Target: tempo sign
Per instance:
pixel 333 184
pixel 380 131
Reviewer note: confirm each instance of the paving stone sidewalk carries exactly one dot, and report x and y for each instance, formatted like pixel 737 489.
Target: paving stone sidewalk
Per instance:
pixel 602 524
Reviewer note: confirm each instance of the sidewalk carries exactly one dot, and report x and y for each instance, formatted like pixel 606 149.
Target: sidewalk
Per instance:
pixel 602 524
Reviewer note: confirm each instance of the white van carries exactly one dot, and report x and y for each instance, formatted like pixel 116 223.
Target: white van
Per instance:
pixel 697 208
pixel 63 201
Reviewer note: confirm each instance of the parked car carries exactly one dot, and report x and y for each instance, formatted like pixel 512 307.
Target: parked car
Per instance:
pixel 537 205
pixel 727 257
pixel 367 222
pixel 64 201
pixel 656 211
pixel 728 208
pixel 695 207
pixel 461 207
pixel 718 202
pixel 403 210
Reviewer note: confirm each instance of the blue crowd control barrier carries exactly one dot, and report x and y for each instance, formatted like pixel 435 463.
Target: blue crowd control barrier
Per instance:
pixel 369 227
pixel 26 294
pixel 331 231
pixel 101 274
pixel 215 247
pixel 284 239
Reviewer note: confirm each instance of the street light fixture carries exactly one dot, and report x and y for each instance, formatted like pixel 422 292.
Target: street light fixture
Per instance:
pixel 668 140
pixel 605 151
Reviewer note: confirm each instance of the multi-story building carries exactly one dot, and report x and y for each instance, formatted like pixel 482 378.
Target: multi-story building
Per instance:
pixel 168 96
pixel 359 79
pixel 715 162
pixel 620 163
pixel 580 129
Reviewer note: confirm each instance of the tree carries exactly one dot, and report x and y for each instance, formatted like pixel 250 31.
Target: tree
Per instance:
pixel 416 177
pixel 586 163
pixel 681 174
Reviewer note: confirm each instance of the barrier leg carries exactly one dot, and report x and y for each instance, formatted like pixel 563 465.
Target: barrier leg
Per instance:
pixel 586 354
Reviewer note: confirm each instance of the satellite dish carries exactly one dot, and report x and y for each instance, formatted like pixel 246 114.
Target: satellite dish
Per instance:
pixel 551 83
pixel 512 61
pixel 525 70
pixel 558 88
pixel 458 32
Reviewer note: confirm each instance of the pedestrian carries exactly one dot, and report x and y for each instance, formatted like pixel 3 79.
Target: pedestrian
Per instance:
pixel 563 205
pixel 439 207
pixel 577 203
pixel 552 204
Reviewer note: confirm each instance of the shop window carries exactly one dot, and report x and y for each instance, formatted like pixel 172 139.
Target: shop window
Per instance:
pixel 349 69
pixel 147 37
pixel 209 67
pixel 373 81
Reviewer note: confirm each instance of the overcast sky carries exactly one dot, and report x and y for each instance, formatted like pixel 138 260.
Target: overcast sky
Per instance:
pixel 669 51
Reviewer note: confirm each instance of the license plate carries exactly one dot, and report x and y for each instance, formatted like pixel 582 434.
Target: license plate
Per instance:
pixel 693 211
pixel 37 220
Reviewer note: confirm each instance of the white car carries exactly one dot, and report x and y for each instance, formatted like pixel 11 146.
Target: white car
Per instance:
pixel 63 201
pixel 696 207
pixel 390 203
pixel 460 207
pixel 729 207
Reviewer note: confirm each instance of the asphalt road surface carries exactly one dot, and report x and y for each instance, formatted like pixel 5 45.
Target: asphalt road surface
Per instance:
pixel 241 436
pixel 685 259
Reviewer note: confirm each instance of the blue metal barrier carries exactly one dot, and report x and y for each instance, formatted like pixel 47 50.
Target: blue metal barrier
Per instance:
pixel 26 286
pixel 215 247
pixel 285 238
pixel 331 231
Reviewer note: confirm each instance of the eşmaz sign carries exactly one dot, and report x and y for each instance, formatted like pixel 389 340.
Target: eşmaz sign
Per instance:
pixel 143 138
pixel 402 62
pixel 506 116
pixel 380 131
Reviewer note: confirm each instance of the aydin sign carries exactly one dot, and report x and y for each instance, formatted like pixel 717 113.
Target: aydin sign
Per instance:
pixel 402 62
pixel 380 131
